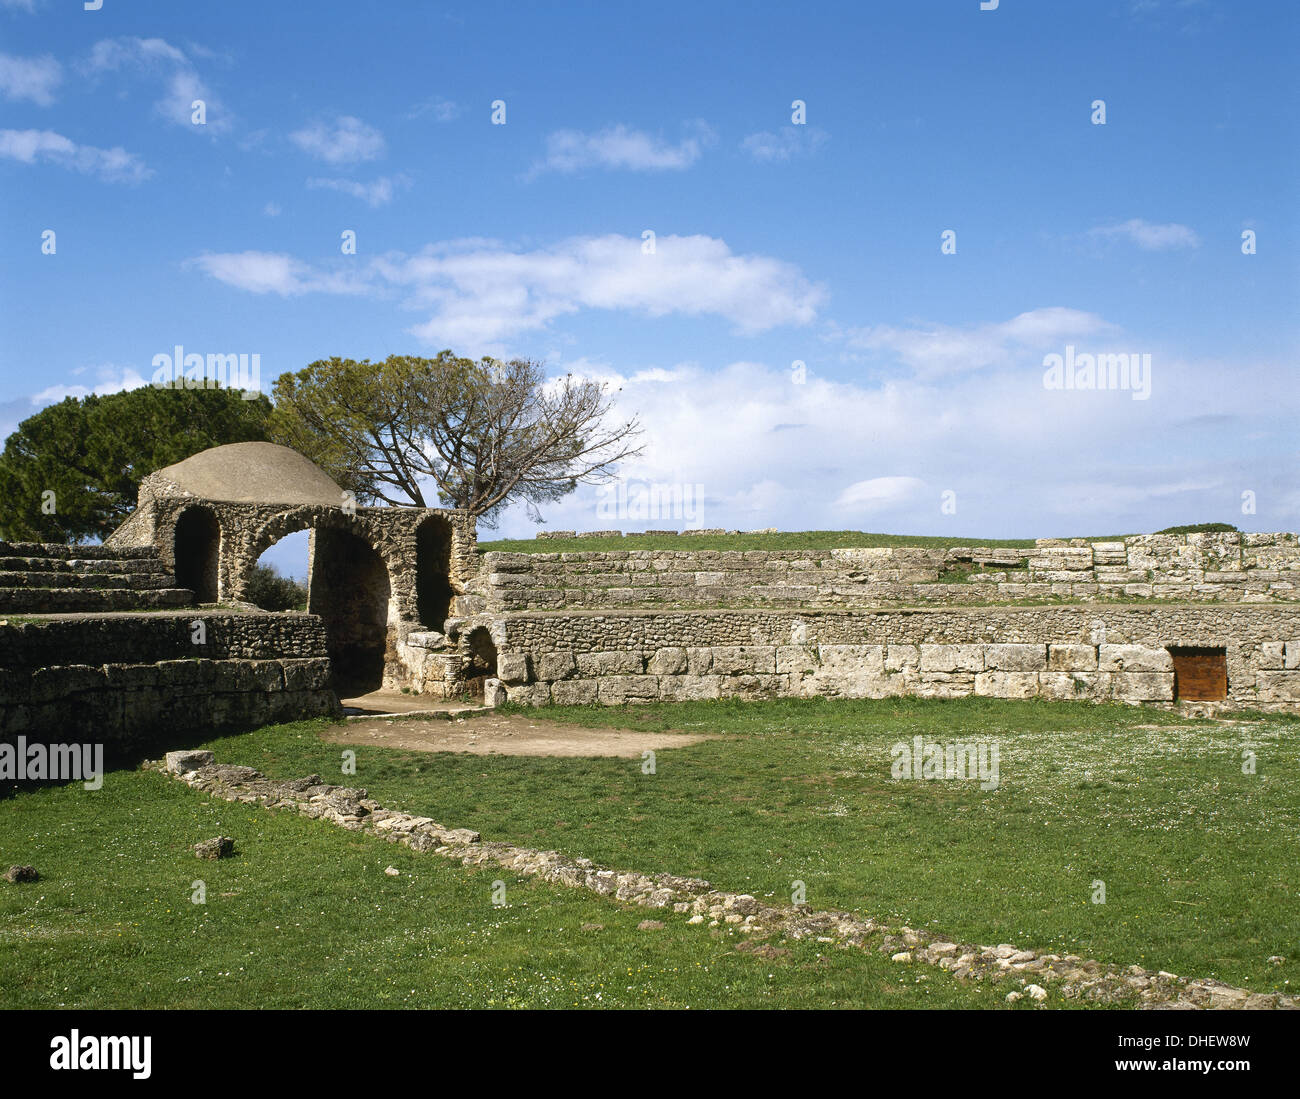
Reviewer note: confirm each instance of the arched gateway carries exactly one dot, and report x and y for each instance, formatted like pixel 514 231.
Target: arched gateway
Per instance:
pixel 376 574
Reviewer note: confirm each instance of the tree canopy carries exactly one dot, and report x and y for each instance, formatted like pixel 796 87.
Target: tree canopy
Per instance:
pixel 485 433
pixel 92 452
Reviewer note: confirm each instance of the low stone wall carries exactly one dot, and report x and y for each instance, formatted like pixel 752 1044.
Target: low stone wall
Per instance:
pixel 124 705
pixel 1097 653
pixel 148 638
pixel 122 680
pixel 1184 568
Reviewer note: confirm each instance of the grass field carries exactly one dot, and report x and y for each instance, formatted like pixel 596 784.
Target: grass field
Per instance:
pixel 304 916
pixel 784 540
pixel 1198 861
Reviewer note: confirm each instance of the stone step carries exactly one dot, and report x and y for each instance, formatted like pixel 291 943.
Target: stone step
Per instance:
pixel 85 553
pixel 132 581
pixel 57 565
pixel 90 600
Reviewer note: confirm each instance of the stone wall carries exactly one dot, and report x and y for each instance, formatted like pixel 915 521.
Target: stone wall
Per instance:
pixel 122 680
pixel 1185 568
pixel 146 638
pixel 1091 653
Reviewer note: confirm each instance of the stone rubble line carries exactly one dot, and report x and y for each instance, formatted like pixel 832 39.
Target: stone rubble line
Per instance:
pixel 1073 977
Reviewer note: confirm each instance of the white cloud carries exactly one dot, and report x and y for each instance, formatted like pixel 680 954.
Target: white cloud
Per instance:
pixel 442 110
pixel 379 192
pixel 1022 461
pixel 946 349
pixel 1149 236
pixel 273 273
pixel 271 209
pixel 785 144
pixel 113 379
pixel 114 165
pixel 33 78
pixel 159 59
pixel 347 141
pixel 619 147
pixel 25 5
pixel 480 293
pixel 878 494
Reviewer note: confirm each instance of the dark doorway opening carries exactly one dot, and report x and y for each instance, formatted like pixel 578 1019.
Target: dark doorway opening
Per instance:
pixel 197 546
pixel 1200 673
pixel 480 661
pixel 350 591
pixel 433 590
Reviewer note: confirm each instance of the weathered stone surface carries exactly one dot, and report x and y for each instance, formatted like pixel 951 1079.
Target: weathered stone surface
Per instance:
pixel 1133 658
pixel 512 667
pixel 219 847
pixel 15 875
pixel 180 762
pixel 1015 658
pixel 1006 684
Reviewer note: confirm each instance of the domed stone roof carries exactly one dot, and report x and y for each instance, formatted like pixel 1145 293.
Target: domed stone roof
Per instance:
pixel 254 473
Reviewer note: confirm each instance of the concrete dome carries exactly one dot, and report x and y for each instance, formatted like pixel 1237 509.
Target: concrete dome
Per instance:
pixel 254 473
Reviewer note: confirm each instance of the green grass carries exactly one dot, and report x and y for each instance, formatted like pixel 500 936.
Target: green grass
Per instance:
pixel 785 540
pixel 1198 859
pixel 305 917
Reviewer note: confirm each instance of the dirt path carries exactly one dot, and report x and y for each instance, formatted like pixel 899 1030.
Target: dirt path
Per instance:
pixel 506 735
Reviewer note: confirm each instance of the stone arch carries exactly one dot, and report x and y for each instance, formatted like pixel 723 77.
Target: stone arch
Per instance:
pixel 349 586
pixel 433 587
pixel 196 551
pixel 478 660
pixel 350 589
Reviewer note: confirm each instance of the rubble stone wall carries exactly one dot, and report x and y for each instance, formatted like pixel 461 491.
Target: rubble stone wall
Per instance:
pixel 1184 568
pixel 120 680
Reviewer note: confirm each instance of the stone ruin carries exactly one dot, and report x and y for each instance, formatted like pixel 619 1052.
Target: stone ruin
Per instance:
pixel 152 629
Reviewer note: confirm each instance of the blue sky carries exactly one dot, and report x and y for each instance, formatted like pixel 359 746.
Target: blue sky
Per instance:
pixel 775 243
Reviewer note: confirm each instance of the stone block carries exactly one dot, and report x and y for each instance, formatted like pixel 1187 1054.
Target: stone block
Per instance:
pixel 512 668
pixel 61 681
pixel 689 688
pixel 667 661
pixel 952 658
pixel 902 658
pixel 1001 684
pixel 744 659
pixel 1133 658
pixel 1143 686
pixel 494 692
pixel 617 689
pixel 180 762
pixel 1015 658
pixel 574 692
pixel 556 665
pixel 699 661
pixel 610 663
pixel 795 659
pixel 1072 658
pixel 1074 686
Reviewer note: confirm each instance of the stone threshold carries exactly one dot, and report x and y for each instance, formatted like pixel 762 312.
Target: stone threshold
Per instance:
pixel 1029 974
